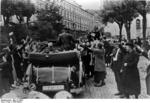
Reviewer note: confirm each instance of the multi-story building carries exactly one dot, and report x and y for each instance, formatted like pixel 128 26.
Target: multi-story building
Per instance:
pixel 74 16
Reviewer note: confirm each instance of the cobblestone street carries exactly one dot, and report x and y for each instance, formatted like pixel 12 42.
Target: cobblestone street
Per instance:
pixel 61 49
pixel 108 91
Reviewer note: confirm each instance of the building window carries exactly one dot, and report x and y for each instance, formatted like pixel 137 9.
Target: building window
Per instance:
pixel 138 24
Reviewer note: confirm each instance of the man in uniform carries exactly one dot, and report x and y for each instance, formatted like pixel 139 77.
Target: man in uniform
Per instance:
pixel 130 73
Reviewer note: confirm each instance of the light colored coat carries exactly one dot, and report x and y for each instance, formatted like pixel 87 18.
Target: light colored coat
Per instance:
pixel 99 60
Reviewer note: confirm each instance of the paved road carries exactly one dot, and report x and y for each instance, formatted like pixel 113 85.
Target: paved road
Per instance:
pixel 108 91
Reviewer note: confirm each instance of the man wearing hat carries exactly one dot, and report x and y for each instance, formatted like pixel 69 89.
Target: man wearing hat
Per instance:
pixel 117 62
pixel 130 74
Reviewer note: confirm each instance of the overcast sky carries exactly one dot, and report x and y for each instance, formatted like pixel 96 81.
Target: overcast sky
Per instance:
pixel 90 4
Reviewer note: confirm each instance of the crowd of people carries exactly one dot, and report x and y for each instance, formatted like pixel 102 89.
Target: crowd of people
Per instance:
pixel 122 57
pixel 97 53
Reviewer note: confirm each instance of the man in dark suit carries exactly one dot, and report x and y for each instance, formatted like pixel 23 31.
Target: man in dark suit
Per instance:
pixel 116 66
pixel 130 73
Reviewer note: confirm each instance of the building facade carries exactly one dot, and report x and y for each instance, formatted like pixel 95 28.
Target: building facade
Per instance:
pixel 136 28
pixel 74 16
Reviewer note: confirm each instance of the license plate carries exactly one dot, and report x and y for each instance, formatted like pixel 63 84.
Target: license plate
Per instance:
pixel 53 88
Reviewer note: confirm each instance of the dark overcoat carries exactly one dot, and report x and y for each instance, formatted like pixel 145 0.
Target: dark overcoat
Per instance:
pixel 6 78
pixel 130 74
pixel 116 67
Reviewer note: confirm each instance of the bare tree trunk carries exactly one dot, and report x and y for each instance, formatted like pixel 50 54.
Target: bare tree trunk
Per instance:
pixel 120 32
pixel 145 45
pixel 127 26
pixel 144 26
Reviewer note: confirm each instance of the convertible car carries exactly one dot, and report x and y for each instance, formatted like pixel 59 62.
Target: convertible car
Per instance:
pixel 56 72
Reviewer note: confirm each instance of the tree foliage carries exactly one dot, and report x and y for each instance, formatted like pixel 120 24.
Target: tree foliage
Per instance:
pixel 49 22
pixel 122 12
pixel 112 13
pixel 24 9
pixel 19 8
pixel 42 30
pixel 7 10
pixel 51 14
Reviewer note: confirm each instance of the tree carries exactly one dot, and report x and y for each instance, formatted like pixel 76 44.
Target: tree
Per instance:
pixel 50 16
pixel 42 30
pixel 112 12
pixel 122 12
pixel 7 10
pixel 24 9
pixel 129 13
pixel 19 8
pixel 142 10
pixel 29 11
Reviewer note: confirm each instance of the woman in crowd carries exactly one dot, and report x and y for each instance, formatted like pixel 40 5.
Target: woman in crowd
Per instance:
pixel 99 67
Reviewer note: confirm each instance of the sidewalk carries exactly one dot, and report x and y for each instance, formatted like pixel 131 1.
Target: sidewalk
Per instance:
pixel 108 91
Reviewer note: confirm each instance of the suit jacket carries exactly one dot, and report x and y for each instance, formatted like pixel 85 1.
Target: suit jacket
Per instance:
pixel 117 64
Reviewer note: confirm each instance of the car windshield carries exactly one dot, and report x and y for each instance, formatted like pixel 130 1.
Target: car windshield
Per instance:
pixel 52 74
